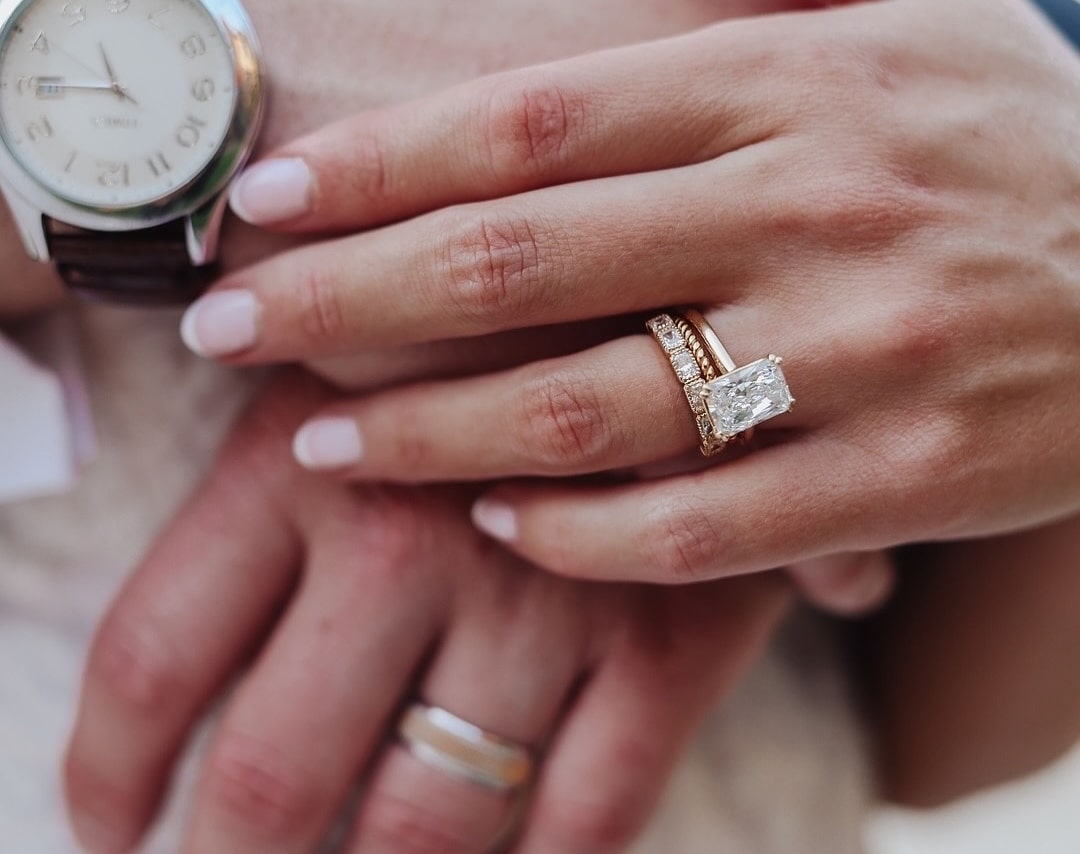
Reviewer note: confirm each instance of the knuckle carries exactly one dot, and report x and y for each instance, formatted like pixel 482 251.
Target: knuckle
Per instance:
pixel 368 172
pixel 391 530
pixel 494 266
pixel 532 127
pixel 564 423
pixel 260 789
pixel 320 307
pixel 404 826
pixel 924 332
pixel 137 667
pixel 681 540
pixel 865 208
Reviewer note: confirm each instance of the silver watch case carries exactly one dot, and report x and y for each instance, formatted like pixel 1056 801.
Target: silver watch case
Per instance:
pixel 201 202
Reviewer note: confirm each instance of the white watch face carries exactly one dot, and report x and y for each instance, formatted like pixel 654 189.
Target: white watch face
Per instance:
pixel 114 103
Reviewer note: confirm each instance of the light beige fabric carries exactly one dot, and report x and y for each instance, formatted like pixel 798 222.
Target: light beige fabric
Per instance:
pixel 778 770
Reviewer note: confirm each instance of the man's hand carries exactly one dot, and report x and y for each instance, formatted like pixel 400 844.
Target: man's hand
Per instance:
pixel 351 602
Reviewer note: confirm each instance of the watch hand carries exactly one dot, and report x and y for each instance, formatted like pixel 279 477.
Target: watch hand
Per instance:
pixel 108 65
pixel 59 48
pixel 120 91
pixel 51 87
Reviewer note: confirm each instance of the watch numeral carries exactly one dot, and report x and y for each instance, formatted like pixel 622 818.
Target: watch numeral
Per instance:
pixel 25 84
pixel 73 13
pixel 159 164
pixel 113 174
pixel 37 131
pixel 41 44
pixel 193 46
pixel 189 134
pixel 118 6
pixel 204 89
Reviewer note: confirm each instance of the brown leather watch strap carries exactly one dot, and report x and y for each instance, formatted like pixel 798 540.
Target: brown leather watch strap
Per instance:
pixel 150 266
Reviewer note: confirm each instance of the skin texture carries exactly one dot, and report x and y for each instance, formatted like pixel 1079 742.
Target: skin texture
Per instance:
pixel 263 539
pixel 847 166
pixel 357 597
pixel 390 50
pixel 145 659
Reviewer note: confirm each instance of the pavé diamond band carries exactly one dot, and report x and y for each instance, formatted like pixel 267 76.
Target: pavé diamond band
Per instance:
pixel 461 749
pixel 726 401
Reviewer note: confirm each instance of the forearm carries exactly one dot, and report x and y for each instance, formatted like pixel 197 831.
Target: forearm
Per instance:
pixel 975 670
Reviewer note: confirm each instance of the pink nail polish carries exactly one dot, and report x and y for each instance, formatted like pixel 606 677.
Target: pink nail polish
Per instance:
pixel 495 518
pixel 221 324
pixel 328 443
pixel 273 191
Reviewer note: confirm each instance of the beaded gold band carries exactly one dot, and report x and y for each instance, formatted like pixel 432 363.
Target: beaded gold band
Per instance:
pixel 694 367
pixel 711 340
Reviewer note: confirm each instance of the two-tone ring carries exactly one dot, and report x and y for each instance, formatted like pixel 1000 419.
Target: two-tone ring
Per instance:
pixel 726 401
pixel 456 747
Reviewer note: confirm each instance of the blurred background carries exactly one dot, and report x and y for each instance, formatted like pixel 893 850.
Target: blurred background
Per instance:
pixel 1040 815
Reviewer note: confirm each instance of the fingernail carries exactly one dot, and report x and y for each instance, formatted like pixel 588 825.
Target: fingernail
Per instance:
pixel 273 191
pixel 496 519
pixel 221 324
pixel 96 837
pixel 328 443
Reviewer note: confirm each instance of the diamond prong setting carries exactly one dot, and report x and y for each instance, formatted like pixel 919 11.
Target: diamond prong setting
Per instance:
pixel 746 397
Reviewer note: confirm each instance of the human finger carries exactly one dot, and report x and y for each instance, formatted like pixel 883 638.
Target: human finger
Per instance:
pixel 602 114
pixel 851 584
pixel 176 633
pixel 305 721
pixel 777 505
pixel 498 669
pixel 614 406
pixel 612 758
pixel 535 259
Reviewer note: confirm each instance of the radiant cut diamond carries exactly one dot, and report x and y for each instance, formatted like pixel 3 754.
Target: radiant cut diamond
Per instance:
pixel 746 397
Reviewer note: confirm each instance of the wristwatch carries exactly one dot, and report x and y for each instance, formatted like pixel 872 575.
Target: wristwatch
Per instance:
pixel 122 123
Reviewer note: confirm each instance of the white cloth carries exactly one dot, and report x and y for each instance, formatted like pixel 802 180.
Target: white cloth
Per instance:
pixel 46 432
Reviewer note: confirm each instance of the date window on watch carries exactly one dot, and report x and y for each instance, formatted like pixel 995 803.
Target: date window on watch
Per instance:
pixel 49 88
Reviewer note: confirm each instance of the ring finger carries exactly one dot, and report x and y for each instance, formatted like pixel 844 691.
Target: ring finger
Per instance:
pixel 513 690
pixel 617 405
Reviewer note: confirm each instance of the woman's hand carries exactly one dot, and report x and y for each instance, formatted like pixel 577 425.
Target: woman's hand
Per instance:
pixel 353 601
pixel 885 194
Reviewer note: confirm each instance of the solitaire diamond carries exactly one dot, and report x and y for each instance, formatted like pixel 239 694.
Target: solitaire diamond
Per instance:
pixel 746 397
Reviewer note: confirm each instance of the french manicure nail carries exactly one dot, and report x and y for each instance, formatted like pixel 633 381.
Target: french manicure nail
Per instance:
pixel 273 191
pixel 221 324
pixel 328 443
pixel 496 519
